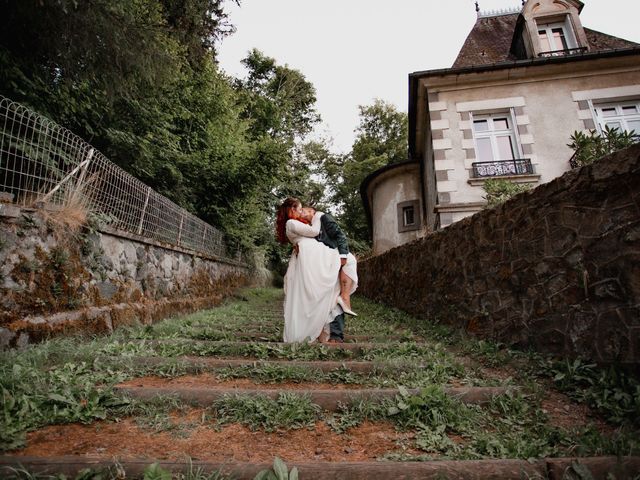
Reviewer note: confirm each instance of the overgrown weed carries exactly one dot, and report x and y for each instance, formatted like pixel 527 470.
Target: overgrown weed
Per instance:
pixel 287 411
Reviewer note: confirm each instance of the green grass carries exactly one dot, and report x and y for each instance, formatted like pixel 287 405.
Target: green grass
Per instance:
pixel 511 426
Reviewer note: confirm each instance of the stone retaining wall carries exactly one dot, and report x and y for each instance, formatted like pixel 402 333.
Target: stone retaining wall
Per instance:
pixel 556 269
pixel 55 278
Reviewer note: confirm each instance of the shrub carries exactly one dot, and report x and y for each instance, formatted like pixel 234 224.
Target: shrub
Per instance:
pixel 592 146
pixel 499 191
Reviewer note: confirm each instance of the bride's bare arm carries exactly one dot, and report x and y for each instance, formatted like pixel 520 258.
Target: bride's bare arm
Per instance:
pixel 302 229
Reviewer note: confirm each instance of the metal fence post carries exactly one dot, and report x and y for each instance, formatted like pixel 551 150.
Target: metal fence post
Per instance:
pixel 144 209
pixel 81 166
pixel 83 172
pixel 180 229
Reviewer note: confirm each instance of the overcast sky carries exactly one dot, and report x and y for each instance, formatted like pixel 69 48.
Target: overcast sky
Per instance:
pixel 354 51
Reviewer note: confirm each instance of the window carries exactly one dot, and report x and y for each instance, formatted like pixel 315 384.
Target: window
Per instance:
pixel 495 137
pixel 409 216
pixel 625 116
pixel 556 38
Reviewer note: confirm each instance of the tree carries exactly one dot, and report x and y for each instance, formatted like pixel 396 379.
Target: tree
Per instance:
pixel 382 133
pixel 307 178
pixel 278 105
pixel 279 101
pixel 138 80
pixel 114 45
pixel 198 25
pixel 381 139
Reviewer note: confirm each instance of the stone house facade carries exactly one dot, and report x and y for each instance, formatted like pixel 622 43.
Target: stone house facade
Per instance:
pixel 522 83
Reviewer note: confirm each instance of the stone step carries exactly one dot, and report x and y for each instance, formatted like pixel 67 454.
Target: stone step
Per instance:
pixel 277 335
pixel 232 322
pixel 356 348
pixel 601 468
pixel 327 399
pixel 198 364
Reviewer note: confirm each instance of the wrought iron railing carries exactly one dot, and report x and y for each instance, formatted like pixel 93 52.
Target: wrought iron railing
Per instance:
pixel 564 52
pixel 573 161
pixel 42 162
pixel 521 166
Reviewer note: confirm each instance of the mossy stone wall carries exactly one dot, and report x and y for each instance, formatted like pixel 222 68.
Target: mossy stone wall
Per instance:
pixel 54 279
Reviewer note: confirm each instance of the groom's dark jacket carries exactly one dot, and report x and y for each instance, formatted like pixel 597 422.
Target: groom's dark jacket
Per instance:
pixel 332 235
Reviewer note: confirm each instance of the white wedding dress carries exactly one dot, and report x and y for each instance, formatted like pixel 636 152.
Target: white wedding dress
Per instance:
pixel 311 284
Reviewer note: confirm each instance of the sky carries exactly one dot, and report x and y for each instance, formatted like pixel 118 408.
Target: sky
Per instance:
pixel 355 51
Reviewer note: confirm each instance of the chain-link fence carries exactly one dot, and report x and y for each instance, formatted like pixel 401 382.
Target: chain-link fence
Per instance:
pixel 41 162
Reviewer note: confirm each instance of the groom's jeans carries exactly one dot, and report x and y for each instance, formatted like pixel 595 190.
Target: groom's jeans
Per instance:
pixel 337 328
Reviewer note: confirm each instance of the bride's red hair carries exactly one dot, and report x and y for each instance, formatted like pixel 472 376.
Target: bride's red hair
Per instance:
pixel 282 216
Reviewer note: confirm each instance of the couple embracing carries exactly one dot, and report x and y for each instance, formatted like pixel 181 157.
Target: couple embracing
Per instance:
pixel 321 275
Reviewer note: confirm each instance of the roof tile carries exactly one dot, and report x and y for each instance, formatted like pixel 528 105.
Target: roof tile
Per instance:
pixel 488 42
pixel 601 41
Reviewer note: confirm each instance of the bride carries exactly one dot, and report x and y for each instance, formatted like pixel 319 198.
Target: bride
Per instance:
pixel 311 284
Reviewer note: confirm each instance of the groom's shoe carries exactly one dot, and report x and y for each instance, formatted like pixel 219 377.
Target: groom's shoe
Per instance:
pixel 344 307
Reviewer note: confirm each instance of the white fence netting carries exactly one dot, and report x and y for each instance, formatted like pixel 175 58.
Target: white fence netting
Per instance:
pixel 42 162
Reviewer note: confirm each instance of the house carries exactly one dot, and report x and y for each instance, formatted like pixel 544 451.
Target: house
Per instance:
pixel 522 83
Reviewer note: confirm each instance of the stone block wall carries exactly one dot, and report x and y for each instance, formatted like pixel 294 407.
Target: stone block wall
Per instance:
pixel 55 278
pixel 556 269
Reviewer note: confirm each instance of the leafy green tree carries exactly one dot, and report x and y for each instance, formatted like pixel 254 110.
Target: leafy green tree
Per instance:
pixel 307 177
pixel 198 25
pixel 278 105
pixel 138 80
pixel 279 101
pixel 381 139
pixel 382 133
pixel 117 46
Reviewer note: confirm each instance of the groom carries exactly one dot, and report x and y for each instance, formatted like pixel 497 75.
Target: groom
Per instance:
pixel 333 237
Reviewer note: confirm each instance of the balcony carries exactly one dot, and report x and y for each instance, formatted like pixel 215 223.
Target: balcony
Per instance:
pixel 563 53
pixel 519 171
pixel 502 168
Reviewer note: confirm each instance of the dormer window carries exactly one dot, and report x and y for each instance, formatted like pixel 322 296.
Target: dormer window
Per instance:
pixel 549 28
pixel 553 38
pixel 557 38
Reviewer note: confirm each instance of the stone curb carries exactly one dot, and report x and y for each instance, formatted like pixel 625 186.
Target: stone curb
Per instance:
pixel 101 320
pixel 261 335
pixel 197 364
pixel 551 468
pixel 353 347
pixel 329 400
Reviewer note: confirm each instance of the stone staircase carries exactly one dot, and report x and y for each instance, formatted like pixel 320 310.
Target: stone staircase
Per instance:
pixel 382 371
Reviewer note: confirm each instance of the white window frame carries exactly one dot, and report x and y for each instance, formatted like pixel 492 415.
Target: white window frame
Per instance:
pixel 567 32
pixel 494 134
pixel 620 117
